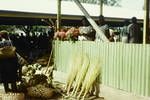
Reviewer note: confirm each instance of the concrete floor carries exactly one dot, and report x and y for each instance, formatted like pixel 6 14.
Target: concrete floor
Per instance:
pixel 1 88
pixel 107 92
pixel 114 94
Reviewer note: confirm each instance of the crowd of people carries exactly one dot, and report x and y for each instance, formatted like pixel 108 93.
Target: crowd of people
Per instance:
pixel 32 46
pixel 129 33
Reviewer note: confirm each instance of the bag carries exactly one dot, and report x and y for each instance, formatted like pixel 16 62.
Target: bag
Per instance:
pixel 7 52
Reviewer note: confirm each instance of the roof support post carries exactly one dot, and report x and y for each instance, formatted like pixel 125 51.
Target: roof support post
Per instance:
pixel 101 7
pixel 91 21
pixel 58 14
pixel 146 21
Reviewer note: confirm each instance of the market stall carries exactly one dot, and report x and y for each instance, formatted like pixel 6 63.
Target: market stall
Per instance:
pixel 118 65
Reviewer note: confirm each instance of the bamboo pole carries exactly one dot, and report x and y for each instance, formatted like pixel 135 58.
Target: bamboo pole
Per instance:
pixel 101 7
pixel 91 21
pixel 58 14
pixel 146 21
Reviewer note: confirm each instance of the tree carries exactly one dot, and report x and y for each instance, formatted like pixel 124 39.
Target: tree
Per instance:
pixel 112 2
pixel 107 2
pixel 31 29
pixel 9 28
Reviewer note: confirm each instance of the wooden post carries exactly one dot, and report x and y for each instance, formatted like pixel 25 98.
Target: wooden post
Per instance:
pixel 58 15
pixel 101 7
pixel 146 21
pixel 91 21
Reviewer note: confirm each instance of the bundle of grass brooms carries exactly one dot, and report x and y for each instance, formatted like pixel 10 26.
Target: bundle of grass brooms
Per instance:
pixel 83 76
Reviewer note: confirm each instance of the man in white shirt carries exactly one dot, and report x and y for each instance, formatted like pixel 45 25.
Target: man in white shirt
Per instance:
pixel 103 27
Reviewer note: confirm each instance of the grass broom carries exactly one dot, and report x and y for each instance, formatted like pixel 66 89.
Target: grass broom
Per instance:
pixel 81 74
pixel 74 65
pixel 92 74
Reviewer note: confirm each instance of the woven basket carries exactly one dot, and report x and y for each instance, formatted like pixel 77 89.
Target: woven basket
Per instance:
pixel 7 52
pixel 13 96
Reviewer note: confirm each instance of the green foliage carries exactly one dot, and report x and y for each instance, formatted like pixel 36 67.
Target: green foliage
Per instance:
pixel 111 2
pixel 107 2
pixel 9 28
pixel 26 29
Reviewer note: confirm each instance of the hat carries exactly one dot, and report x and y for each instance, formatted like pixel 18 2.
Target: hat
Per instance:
pixel 4 34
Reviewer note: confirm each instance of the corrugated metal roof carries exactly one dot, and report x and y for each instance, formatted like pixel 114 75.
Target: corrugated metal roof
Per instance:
pixel 68 8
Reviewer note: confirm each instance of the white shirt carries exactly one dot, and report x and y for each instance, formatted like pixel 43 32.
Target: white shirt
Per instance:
pixel 103 29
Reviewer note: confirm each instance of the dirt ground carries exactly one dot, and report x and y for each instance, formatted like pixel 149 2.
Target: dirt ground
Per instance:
pixel 107 93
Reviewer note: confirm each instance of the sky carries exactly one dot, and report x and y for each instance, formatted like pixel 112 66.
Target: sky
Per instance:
pixel 132 4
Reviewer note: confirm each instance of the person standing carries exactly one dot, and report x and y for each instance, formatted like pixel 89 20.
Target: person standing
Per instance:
pixel 8 65
pixel 135 35
pixel 86 31
pixel 103 27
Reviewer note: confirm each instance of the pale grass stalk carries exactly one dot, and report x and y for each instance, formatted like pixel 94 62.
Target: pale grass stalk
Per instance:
pixel 92 74
pixel 81 74
pixel 74 64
